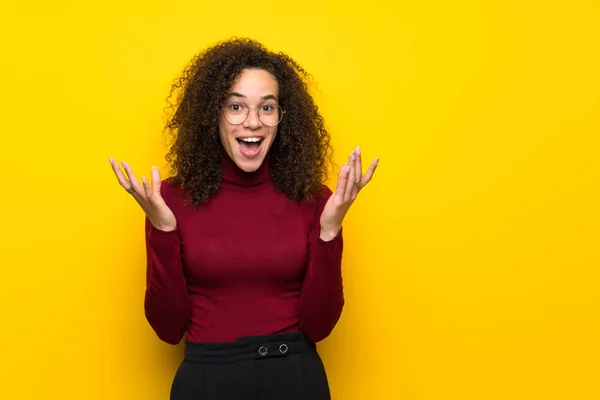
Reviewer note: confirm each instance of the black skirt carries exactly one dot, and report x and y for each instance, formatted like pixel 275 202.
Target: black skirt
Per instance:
pixel 271 367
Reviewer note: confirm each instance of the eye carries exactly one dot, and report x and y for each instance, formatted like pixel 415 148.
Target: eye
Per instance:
pixel 267 108
pixel 236 108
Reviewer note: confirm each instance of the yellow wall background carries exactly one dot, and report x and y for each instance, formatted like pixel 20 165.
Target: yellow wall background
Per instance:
pixel 471 262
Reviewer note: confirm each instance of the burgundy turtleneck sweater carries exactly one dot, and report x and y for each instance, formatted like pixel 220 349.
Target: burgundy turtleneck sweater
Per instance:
pixel 248 262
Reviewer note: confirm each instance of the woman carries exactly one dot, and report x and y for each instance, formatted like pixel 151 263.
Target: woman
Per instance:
pixel 244 242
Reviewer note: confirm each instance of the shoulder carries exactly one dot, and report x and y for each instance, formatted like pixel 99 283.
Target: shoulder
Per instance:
pixel 320 199
pixel 325 191
pixel 168 187
pixel 171 192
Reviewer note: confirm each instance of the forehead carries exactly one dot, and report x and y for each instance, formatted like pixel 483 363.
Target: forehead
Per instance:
pixel 255 83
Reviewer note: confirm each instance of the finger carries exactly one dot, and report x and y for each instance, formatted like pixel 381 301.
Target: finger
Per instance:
pixel 370 171
pixel 351 174
pixel 135 184
pixel 151 190
pixel 126 184
pixel 342 181
pixel 358 165
pixel 123 181
pixel 357 173
pixel 138 192
pixel 147 187
pixel 155 181
pixel 142 199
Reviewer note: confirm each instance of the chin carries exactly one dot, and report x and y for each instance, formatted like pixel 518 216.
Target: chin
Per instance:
pixel 249 165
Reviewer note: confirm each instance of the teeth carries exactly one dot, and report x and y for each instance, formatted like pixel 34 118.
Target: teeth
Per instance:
pixel 251 139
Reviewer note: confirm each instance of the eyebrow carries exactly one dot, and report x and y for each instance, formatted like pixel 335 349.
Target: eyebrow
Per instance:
pixel 267 97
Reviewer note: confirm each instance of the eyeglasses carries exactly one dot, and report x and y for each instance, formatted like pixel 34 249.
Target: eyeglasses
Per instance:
pixel 268 114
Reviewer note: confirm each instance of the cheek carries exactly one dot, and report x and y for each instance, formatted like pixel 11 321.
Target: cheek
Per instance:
pixel 225 131
pixel 273 132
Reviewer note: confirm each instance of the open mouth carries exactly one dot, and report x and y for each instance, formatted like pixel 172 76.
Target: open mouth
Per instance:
pixel 250 146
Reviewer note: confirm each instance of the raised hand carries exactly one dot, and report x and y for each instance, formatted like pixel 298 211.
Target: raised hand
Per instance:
pixel 148 197
pixel 350 182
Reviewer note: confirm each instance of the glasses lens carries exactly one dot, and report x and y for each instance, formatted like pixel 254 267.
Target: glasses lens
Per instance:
pixel 235 113
pixel 270 115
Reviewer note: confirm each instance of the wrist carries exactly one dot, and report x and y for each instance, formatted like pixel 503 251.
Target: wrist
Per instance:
pixel 166 228
pixel 328 234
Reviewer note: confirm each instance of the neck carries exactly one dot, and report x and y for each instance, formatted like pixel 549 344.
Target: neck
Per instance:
pixel 232 174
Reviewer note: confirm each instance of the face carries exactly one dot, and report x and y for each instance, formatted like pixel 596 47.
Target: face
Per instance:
pixel 248 144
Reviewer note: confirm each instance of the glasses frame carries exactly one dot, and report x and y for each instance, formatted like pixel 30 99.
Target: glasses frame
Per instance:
pixel 248 108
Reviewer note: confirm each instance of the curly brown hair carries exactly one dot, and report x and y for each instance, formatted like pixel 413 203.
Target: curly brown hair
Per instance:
pixel 301 151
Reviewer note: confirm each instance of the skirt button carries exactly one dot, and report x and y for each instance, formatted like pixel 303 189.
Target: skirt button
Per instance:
pixel 263 351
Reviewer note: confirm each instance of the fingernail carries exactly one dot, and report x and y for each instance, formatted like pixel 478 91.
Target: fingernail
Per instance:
pixel 358 150
pixel 377 160
pixel 124 163
pixel 353 156
pixel 144 179
pixel 110 160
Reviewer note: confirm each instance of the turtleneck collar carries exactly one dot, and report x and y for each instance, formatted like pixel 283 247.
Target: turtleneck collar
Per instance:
pixel 233 175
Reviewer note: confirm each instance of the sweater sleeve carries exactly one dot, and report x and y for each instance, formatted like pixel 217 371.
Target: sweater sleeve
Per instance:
pixel 322 297
pixel 166 304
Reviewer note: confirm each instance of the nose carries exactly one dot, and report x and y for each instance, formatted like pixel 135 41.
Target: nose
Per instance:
pixel 252 122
